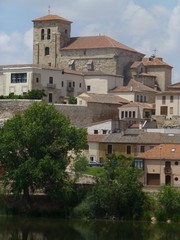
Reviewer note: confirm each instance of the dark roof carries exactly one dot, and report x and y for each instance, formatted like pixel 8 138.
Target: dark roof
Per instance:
pixel 95 42
pixel 51 17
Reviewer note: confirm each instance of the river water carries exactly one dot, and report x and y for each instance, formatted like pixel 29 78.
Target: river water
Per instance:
pixel 13 228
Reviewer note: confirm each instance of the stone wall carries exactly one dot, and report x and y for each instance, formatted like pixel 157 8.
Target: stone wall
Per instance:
pixel 80 116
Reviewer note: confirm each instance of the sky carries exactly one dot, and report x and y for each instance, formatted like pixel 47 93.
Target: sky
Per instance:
pixel 144 25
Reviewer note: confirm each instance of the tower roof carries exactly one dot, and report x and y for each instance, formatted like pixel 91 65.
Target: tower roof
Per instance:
pixel 51 17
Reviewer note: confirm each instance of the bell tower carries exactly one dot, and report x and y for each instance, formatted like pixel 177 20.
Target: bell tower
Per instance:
pixel 51 33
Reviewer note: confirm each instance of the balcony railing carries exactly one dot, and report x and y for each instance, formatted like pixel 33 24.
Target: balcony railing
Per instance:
pixel 51 85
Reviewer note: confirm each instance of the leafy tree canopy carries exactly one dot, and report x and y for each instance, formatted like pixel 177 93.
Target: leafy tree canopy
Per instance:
pixel 33 149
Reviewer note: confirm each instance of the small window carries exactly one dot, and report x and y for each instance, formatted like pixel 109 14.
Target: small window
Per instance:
pixel 24 93
pixel 70 85
pixel 122 114
pixel 141 99
pixel 171 99
pixel 62 84
pixel 51 80
pixel 50 97
pixel 176 179
pixel 134 114
pixel 37 80
pixel 84 52
pixel 145 99
pixel 49 34
pixel 79 85
pixel 139 164
pixel 126 114
pixel 172 149
pixel 104 131
pixel 176 163
pixel 46 51
pixel 163 99
pixel 109 149
pixel 128 150
pixel 91 159
pixel 137 98
pixel 42 34
pixel 129 114
pixel 66 31
pixel 88 88
pixel 142 149
pixel 73 84
pixel 95 131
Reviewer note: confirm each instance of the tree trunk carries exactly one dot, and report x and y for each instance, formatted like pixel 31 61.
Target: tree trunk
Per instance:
pixel 26 197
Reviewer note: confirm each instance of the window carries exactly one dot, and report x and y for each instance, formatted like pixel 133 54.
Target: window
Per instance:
pixel 171 110
pixel 144 98
pixel 37 80
pixel 126 114
pixel 24 93
pixel 18 77
pixel 134 114
pixel 163 99
pixel 62 84
pixel 122 114
pixel 176 163
pixel 88 88
pixel 51 80
pixel 79 85
pixel 66 31
pixel 49 34
pixel 129 114
pixel 171 99
pixel 137 98
pixel 128 150
pixel 141 99
pixel 91 159
pixel 109 149
pixel 84 52
pixel 46 51
pixel 142 149
pixel 104 131
pixel 95 131
pixel 139 164
pixel 69 84
pixel 73 84
pixel 50 97
pixel 42 34
pixel 176 179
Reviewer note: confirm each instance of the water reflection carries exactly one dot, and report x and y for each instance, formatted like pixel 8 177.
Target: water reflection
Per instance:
pixel 55 229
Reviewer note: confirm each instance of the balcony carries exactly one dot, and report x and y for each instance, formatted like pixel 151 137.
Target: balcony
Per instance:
pixel 167 170
pixel 51 85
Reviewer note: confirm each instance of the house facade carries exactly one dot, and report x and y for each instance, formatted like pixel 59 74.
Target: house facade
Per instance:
pixel 160 165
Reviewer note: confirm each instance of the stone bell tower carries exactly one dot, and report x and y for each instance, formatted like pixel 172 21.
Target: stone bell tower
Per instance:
pixel 51 33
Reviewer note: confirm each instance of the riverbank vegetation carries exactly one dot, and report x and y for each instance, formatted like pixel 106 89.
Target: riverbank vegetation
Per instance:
pixel 33 153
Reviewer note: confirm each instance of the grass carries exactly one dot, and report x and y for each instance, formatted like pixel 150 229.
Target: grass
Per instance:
pixel 94 171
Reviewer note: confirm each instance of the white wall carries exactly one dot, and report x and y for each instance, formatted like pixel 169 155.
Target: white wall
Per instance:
pixel 100 127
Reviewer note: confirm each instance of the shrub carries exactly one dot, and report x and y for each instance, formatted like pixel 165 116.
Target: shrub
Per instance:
pixel 81 163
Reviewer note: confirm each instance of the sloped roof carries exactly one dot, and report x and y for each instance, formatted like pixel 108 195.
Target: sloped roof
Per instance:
pixel 134 86
pixel 51 17
pixel 96 137
pixel 140 104
pixel 103 98
pixel 150 62
pixel 95 42
pixel 162 151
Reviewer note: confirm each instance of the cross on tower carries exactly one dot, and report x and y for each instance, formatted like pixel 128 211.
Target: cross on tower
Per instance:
pixel 155 51
pixel 49 9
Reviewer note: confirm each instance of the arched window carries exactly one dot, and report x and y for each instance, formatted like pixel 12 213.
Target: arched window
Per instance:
pixel 42 34
pixel 46 51
pixel 49 33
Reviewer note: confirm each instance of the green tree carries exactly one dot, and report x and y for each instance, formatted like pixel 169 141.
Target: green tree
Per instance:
pixel 117 193
pixel 72 100
pixel 33 150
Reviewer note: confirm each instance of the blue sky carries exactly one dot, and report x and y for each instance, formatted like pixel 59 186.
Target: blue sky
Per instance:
pixel 140 24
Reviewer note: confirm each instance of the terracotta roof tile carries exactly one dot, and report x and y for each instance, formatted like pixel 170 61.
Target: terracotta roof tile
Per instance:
pixel 96 137
pixel 162 151
pixel 151 62
pixel 134 86
pixel 95 42
pixel 140 104
pixel 103 98
pixel 51 17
